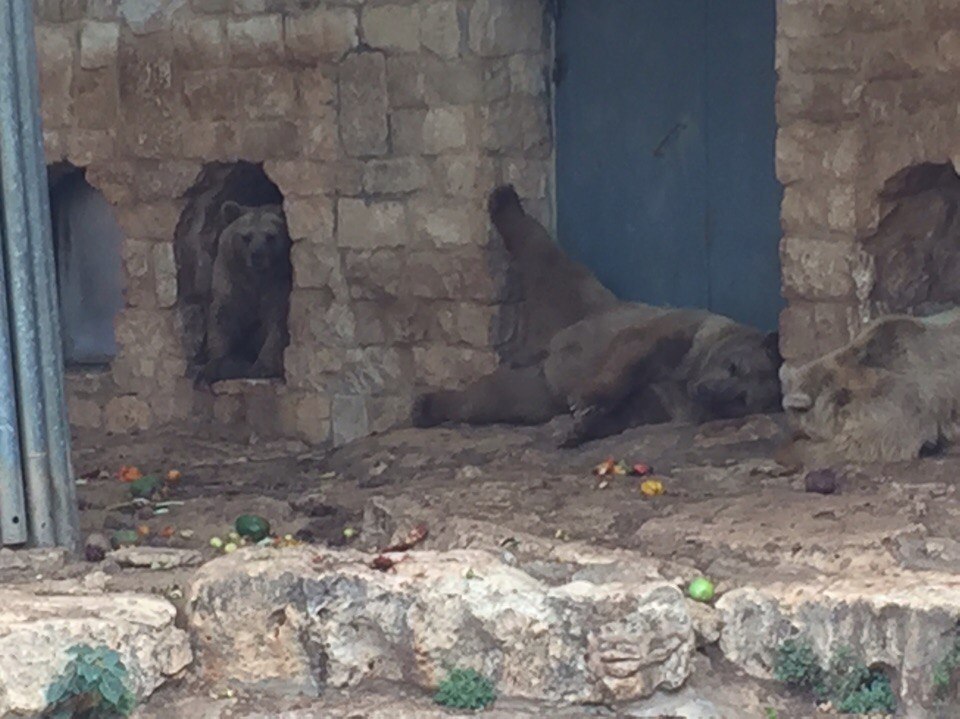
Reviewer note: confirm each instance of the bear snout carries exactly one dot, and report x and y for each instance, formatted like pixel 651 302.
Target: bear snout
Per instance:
pixel 797 401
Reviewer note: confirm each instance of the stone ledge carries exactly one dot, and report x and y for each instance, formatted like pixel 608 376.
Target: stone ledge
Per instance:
pixel 36 632
pixel 269 619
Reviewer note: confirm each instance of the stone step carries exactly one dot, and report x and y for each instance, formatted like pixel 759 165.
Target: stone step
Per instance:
pixel 904 624
pixel 299 620
pixel 36 631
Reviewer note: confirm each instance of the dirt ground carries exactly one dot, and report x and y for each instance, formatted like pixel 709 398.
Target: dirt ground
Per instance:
pixel 729 511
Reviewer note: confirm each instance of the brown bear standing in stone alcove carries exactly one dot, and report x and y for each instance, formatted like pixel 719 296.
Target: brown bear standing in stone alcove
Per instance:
pixel 246 328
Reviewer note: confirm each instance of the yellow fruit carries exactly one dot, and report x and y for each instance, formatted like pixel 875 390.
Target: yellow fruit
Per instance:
pixel 651 488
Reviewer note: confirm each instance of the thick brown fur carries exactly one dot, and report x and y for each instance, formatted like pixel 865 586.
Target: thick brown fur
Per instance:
pixel 892 393
pixel 250 295
pixel 614 365
pixel 637 364
pixel 554 291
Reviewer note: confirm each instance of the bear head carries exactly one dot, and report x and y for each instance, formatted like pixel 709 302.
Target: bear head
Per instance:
pixel 736 375
pixel 257 236
pixel 854 384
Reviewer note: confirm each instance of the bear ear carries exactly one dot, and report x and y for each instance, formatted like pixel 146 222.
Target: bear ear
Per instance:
pixel 886 345
pixel 230 211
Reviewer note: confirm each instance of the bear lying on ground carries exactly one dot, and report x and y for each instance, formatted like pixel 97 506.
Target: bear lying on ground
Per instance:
pixel 615 366
pixel 250 295
pixel 893 393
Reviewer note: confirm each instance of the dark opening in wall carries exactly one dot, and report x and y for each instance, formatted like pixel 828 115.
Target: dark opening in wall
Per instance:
pixel 87 244
pixel 916 249
pixel 234 275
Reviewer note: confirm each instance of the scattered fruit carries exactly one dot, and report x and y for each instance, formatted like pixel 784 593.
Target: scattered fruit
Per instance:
pixel 216 542
pixel 174 475
pixel 124 538
pixel 413 538
pixel 129 474
pixel 143 530
pixel 700 590
pixel 642 470
pixel 229 547
pixel 186 533
pixel 651 488
pixel 167 532
pixel 145 487
pixel 251 526
pixel 349 532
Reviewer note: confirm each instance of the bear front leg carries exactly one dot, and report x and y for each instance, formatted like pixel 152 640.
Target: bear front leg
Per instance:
pixel 269 362
pixel 506 396
pixel 220 365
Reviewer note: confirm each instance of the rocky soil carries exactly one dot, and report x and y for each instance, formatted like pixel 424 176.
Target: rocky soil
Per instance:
pixel 564 587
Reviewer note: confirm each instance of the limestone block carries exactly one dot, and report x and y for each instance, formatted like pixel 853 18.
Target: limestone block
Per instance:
pixel 456 273
pixel 407 131
pixel 85 413
pixel 271 139
pixel 212 94
pixel 310 218
pixel 363 104
pixel 127 414
pixel 318 134
pixel 255 41
pixel 349 419
pixel 440 28
pixel 96 101
pixel 318 320
pixel 84 147
pixel 38 631
pixel 148 94
pixel 440 224
pixel 317 87
pixel 165 274
pixel 324 33
pixel 445 366
pixel 903 629
pixel 314 264
pixel 301 178
pixel 267 93
pixel 266 618
pixel 374 274
pixel 817 269
pixel 519 124
pixel 464 175
pixel 55 53
pixel 99 44
pixel 445 129
pixel 505 27
pixel 366 225
pixel 150 220
pixel 200 42
pixel 396 175
pixel 392 27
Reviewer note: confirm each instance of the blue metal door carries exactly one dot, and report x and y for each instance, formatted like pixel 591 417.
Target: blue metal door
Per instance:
pixel 665 151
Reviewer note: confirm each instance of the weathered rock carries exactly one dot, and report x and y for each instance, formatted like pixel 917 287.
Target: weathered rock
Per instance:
pixel 272 619
pixel 707 623
pixel 906 625
pixel 156 557
pixel 36 631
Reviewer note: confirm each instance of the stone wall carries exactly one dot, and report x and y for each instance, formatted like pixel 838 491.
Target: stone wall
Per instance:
pixel 867 107
pixel 384 124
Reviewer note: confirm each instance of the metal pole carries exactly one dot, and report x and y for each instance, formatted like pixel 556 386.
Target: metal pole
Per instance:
pixel 21 287
pixel 13 518
pixel 65 513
